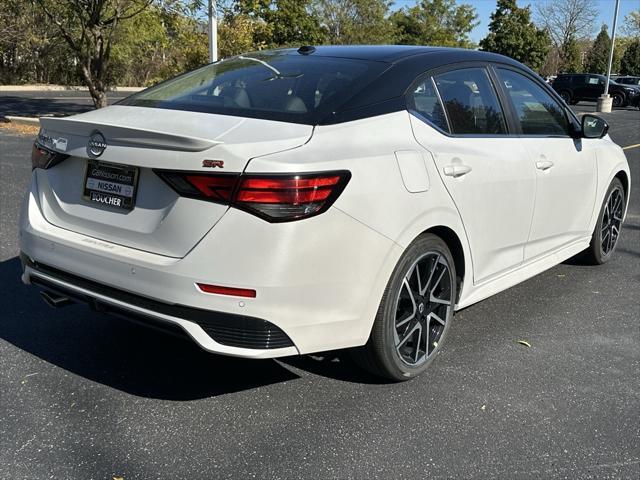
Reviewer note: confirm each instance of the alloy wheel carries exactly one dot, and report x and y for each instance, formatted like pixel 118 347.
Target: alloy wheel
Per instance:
pixel 423 307
pixel 618 100
pixel 611 221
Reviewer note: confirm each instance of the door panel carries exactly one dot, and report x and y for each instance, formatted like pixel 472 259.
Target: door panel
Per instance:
pixel 488 175
pixel 495 198
pixel 565 168
pixel 565 192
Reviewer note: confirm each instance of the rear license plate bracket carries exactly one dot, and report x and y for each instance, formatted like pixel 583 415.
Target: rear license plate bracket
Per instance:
pixel 110 184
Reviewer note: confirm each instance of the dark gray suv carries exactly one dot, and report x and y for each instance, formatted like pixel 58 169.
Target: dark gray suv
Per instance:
pixel 575 87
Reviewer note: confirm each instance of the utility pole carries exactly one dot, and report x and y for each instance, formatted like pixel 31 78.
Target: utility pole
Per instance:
pixel 213 31
pixel 605 102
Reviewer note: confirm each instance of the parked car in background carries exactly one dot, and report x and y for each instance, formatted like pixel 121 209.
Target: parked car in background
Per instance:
pixel 628 80
pixel 575 87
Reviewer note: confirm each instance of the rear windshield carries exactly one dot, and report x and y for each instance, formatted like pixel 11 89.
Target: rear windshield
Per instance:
pixel 274 86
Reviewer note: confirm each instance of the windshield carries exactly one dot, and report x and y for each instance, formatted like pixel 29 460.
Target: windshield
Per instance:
pixel 274 86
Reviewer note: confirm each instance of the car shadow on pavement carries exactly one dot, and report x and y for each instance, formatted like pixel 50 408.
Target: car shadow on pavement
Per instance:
pixel 119 354
pixel 140 360
pixel 337 365
pixel 35 107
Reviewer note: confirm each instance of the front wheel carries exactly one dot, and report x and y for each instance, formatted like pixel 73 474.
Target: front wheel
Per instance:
pixel 415 312
pixel 607 232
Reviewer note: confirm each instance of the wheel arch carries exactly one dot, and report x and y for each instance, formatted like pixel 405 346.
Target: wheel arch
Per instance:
pixel 623 176
pixel 624 179
pixel 450 237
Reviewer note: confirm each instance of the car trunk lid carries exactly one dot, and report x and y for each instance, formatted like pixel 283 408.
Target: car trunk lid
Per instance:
pixel 160 221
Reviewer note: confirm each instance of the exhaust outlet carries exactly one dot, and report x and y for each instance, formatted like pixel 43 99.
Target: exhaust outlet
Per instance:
pixel 55 300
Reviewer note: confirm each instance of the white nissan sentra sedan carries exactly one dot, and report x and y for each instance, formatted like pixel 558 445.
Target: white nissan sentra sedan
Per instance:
pixel 293 201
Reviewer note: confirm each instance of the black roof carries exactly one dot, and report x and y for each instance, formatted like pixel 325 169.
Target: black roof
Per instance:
pixel 377 53
pixel 396 53
pixel 386 92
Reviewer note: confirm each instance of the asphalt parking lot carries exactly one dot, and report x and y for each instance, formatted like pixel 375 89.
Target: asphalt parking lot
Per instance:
pixel 86 396
pixel 38 103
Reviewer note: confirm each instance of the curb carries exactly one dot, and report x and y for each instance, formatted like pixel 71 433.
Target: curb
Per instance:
pixel 23 120
pixel 61 88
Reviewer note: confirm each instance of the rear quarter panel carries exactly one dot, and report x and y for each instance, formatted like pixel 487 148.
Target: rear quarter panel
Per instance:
pixel 376 195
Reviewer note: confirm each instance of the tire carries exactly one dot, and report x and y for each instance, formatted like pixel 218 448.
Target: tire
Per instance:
pixel 607 231
pixel 566 96
pixel 397 348
pixel 617 100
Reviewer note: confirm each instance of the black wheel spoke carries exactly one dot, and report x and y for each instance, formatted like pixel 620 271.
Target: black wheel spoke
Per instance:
pixel 611 221
pixel 423 307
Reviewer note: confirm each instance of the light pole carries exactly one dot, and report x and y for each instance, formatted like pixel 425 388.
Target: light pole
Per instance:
pixel 605 101
pixel 213 31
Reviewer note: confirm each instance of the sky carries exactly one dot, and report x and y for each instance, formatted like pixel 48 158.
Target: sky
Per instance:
pixel 484 8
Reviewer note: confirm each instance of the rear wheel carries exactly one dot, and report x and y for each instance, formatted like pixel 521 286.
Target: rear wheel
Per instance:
pixel 617 100
pixel 566 96
pixel 415 312
pixel 607 232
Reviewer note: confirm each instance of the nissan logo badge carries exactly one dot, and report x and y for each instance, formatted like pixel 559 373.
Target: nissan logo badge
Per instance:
pixel 97 144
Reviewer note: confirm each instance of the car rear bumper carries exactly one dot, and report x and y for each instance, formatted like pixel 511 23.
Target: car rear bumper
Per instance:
pixel 318 281
pixel 247 336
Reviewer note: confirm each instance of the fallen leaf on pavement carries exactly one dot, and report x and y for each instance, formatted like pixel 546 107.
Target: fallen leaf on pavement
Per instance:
pixel 524 342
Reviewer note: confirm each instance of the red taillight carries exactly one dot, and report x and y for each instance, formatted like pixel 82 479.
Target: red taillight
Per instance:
pixel 236 292
pixel 287 190
pixel 215 186
pixel 42 157
pixel 274 197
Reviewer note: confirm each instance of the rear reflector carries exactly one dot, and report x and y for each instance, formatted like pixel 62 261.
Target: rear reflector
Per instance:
pixel 273 197
pixel 236 292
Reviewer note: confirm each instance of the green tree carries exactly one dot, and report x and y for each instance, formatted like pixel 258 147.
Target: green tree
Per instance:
pixel 355 21
pixel 630 63
pixel 89 28
pixel 236 34
pixel 288 22
pixel 571 57
pixel 435 22
pixel 512 33
pixel 632 24
pixel 139 49
pixel 31 49
pixel 598 56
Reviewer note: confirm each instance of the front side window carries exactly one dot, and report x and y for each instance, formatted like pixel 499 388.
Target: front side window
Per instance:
pixel 471 102
pixel 275 86
pixel 537 112
pixel 424 101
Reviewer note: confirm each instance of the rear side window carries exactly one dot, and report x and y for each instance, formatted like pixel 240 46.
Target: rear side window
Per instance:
pixel 285 87
pixel 537 111
pixel 424 101
pixel 471 102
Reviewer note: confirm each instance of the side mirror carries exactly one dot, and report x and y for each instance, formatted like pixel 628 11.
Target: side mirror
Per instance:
pixel 593 126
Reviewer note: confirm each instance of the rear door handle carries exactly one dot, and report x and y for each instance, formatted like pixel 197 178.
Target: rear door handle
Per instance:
pixel 544 165
pixel 456 170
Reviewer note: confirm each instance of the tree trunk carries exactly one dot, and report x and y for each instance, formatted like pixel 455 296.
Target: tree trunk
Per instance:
pixel 101 101
pixel 96 88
